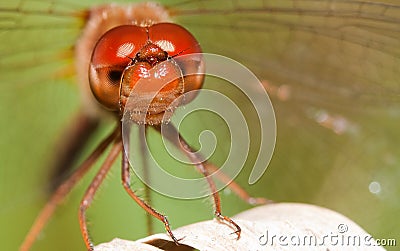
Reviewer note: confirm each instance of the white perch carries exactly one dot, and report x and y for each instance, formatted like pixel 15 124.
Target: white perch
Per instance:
pixel 281 226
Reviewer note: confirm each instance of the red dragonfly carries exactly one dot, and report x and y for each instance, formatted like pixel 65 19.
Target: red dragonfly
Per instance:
pixel 331 68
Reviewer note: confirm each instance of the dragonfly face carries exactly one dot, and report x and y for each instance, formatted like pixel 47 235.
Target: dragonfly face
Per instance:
pixel 128 53
pixel 331 68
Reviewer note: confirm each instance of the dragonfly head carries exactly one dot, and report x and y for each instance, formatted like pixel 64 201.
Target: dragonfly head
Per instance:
pixel 141 70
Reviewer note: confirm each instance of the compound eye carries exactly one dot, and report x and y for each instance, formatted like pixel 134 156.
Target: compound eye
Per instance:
pixel 111 55
pixel 174 39
pixel 177 41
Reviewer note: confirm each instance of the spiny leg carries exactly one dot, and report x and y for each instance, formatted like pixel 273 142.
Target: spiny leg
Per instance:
pixel 169 131
pixel 146 174
pixel 63 189
pixel 127 186
pixel 92 189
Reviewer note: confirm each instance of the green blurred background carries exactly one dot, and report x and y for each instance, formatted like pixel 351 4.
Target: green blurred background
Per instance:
pixel 340 61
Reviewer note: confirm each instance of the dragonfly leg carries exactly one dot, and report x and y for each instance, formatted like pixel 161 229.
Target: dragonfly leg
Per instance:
pixel 169 131
pixel 146 175
pixel 127 186
pixel 91 191
pixel 203 170
pixel 63 189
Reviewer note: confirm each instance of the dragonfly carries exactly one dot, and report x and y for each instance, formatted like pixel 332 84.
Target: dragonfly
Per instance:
pixel 330 67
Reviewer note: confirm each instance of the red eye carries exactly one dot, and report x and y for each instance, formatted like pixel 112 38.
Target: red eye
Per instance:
pixel 173 39
pixel 111 55
pixel 176 40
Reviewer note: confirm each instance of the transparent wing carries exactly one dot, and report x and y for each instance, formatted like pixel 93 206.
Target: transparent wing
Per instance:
pixel 37 40
pixel 332 71
pixel 38 99
pixel 342 55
